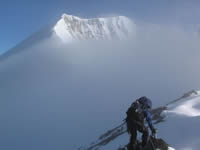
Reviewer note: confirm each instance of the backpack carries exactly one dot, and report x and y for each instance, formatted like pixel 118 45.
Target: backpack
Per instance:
pixel 137 108
pixel 135 112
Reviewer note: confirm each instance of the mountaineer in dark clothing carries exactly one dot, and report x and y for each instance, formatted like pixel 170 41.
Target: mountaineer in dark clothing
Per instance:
pixel 136 114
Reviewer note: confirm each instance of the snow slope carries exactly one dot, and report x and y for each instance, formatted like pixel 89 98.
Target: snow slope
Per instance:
pixel 188 106
pixel 71 28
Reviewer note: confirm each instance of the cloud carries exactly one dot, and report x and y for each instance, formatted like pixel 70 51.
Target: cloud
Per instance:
pixel 54 94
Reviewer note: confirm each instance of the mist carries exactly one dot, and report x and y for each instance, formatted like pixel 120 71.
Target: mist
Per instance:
pixel 58 96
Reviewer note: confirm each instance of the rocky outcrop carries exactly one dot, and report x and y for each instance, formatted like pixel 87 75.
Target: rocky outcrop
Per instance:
pixel 153 144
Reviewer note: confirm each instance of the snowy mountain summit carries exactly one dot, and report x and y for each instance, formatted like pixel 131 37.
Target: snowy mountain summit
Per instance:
pixel 71 28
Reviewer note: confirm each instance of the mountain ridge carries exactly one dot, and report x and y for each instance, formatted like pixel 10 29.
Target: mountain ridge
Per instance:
pixel 159 115
pixel 70 28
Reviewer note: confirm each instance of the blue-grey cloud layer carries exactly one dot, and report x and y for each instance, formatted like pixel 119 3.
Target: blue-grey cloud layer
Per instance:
pixel 62 97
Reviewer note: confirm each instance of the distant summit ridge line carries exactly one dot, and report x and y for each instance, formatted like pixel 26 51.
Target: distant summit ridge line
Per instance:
pixel 72 28
pixel 64 15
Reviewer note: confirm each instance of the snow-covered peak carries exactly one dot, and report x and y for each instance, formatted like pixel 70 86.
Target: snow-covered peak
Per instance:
pixel 71 28
pixel 69 18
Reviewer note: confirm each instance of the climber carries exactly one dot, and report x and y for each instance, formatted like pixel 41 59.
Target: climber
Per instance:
pixel 135 120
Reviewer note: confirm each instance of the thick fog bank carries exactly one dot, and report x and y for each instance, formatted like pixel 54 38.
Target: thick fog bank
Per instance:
pixel 56 96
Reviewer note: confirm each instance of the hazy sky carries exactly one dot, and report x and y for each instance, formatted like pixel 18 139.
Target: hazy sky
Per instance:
pixel 21 18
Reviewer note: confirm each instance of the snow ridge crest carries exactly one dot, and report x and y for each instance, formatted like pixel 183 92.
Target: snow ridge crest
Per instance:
pixel 71 28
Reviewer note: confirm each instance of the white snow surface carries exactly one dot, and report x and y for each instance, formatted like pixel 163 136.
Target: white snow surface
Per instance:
pixel 71 28
pixel 182 123
pixel 170 148
pixel 188 106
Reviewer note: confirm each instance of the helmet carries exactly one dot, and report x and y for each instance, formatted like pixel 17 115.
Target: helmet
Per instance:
pixel 146 102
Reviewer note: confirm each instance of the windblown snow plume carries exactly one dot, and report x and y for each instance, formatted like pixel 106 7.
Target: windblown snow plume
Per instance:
pixel 70 28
